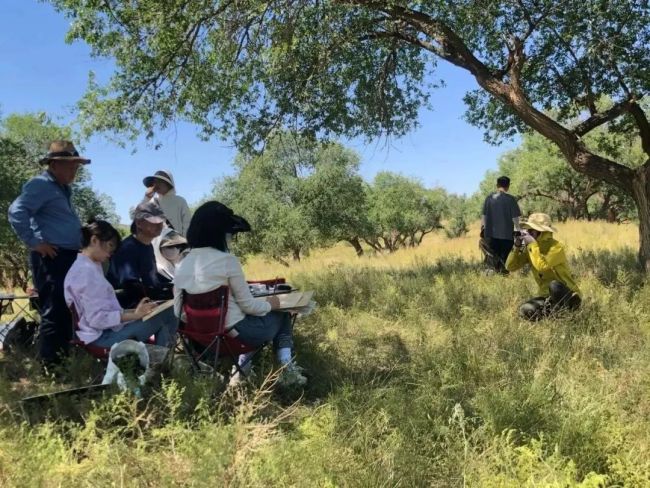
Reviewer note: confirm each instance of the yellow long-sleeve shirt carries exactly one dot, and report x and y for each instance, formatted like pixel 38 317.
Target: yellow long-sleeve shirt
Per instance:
pixel 548 261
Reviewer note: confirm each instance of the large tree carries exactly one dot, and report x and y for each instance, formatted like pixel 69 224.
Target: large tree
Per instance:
pixel 297 195
pixel 356 67
pixel 402 211
pixel 337 197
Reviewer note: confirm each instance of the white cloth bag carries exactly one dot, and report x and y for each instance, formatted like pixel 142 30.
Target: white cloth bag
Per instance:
pixel 119 349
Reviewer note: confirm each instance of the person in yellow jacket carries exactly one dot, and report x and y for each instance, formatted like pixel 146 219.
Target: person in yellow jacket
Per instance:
pixel 556 287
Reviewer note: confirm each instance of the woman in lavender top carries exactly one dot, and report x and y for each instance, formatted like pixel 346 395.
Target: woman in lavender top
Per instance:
pixel 102 322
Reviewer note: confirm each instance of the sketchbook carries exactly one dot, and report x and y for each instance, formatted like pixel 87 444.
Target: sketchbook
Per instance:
pixel 160 308
pixel 293 300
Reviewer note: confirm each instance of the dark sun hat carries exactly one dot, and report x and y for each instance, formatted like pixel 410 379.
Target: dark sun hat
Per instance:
pixel 225 217
pixel 63 151
pixel 158 175
pixel 150 212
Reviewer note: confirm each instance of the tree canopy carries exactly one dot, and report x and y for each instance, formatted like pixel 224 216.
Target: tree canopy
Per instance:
pixel 296 195
pixel 366 67
pixel 299 195
pixel 402 211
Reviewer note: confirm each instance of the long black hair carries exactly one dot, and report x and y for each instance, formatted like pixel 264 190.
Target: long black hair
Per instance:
pixel 104 231
pixel 210 224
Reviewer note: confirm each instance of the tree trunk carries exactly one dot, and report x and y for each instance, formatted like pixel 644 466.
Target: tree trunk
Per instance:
pixel 584 209
pixel 296 254
pixel 374 244
pixel 572 210
pixel 281 261
pixel 356 245
pixel 606 210
pixel 641 195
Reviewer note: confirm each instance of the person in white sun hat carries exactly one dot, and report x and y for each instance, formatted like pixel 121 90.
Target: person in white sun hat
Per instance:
pixel 557 290
pixel 161 190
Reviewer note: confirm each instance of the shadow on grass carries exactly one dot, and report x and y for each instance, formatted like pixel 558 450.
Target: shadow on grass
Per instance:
pixel 21 376
pixel 376 358
pixel 379 361
pixel 611 268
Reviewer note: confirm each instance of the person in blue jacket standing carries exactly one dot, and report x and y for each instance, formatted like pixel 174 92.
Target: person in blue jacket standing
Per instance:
pixel 44 219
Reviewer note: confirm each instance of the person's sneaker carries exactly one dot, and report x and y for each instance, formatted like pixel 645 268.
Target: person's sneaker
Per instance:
pixel 292 376
pixel 237 378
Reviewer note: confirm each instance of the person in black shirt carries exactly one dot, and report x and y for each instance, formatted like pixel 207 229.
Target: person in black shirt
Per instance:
pixel 133 266
pixel 499 220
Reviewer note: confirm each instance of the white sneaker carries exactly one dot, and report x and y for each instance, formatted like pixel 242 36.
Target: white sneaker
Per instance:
pixel 292 376
pixel 237 378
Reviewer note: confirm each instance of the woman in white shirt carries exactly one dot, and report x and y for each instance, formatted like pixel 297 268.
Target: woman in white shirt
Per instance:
pixel 209 265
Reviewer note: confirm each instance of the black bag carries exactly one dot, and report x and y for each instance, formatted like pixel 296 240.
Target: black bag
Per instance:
pixel 18 334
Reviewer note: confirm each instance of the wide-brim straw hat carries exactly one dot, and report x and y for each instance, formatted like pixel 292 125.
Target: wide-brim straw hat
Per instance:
pixel 63 151
pixel 158 175
pixel 538 221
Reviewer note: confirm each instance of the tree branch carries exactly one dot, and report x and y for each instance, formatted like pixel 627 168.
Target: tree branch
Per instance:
pixel 403 37
pixel 590 98
pixel 518 60
pixel 539 193
pixel 643 125
pixel 454 50
pixel 601 118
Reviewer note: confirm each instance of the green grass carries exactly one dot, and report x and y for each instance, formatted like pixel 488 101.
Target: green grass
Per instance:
pixel 420 375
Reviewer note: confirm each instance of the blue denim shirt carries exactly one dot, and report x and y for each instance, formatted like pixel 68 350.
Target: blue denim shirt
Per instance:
pixel 43 212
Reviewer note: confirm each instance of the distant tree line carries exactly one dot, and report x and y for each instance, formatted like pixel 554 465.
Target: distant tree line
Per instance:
pixel 299 195
pixel 543 182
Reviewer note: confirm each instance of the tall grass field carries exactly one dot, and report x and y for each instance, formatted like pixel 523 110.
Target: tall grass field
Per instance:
pixel 420 374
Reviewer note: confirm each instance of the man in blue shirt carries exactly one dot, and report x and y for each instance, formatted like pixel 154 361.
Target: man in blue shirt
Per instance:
pixel 43 218
pixel 133 266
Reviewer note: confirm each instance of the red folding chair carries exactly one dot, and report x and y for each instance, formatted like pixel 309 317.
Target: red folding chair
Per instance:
pixel 97 352
pixel 205 326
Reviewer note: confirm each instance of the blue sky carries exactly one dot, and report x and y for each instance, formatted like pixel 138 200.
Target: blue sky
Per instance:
pixel 40 72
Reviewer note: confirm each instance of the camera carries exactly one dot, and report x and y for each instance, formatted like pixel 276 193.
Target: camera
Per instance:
pixel 519 241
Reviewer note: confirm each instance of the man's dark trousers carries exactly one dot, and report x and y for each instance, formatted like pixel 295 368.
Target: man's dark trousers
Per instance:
pixel 56 324
pixel 500 248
